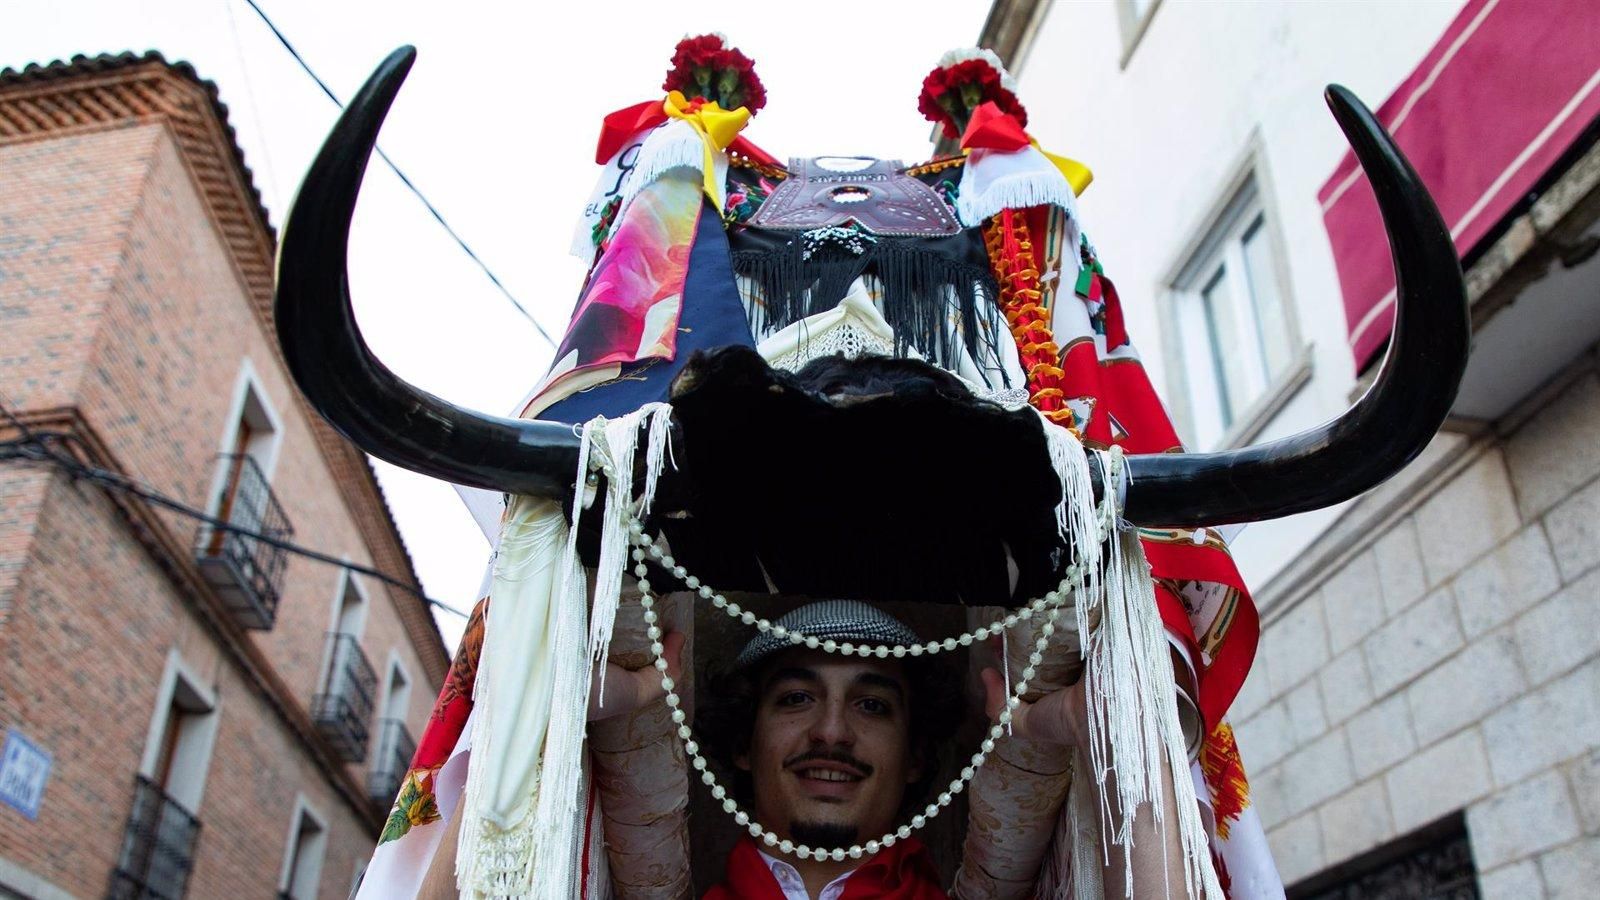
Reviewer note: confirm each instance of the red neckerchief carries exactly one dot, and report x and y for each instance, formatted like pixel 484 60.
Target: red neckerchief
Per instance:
pixel 902 872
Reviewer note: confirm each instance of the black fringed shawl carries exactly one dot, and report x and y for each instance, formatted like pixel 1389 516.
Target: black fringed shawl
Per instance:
pixel 921 281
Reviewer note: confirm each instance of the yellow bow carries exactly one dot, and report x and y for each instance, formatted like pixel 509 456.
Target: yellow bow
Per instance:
pixel 716 126
pixel 1077 174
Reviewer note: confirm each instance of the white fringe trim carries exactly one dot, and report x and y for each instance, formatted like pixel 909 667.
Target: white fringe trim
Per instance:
pixel 532 656
pixel 1132 699
pixel 672 145
pixel 615 456
pixel 522 838
pixel 1024 178
pixel 1130 689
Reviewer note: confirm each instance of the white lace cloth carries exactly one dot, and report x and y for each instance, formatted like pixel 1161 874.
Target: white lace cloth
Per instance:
pixel 856 328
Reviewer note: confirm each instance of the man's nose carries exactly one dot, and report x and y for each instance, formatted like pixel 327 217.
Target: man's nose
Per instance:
pixel 832 725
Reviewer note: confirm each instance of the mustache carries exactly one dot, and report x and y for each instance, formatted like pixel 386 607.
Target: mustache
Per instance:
pixel 837 756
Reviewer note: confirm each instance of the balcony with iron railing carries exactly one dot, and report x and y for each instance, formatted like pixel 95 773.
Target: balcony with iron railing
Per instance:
pixel 246 571
pixel 343 708
pixel 391 762
pixel 157 847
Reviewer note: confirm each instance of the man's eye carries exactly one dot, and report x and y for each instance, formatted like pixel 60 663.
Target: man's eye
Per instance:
pixel 793 698
pixel 876 707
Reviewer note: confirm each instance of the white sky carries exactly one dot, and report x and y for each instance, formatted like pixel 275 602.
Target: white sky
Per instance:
pixel 497 125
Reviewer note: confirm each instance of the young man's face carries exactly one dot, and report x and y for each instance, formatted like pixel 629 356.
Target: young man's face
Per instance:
pixel 830 754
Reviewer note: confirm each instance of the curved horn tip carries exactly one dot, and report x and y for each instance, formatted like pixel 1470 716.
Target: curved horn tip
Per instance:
pixel 403 55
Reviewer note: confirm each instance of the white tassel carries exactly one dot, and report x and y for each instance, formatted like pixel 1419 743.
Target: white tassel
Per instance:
pixel 1132 699
pixel 620 438
pixel 598 877
pixel 1129 686
pixel 532 849
pixel 657 449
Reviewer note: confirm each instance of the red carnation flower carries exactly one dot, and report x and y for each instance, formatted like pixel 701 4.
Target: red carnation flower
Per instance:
pixel 705 67
pixel 963 82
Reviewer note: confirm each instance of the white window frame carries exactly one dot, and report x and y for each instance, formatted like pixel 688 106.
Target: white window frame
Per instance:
pixel 1133 25
pixel 347 581
pixel 250 400
pixel 183 685
pixel 1194 384
pixel 395 664
pixel 318 851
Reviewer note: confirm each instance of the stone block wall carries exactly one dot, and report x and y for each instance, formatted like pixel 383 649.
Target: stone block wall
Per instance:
pixel 1451 665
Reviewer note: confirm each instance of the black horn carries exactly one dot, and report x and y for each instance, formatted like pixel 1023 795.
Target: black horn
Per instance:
pixel 357 394
pixel 1396 417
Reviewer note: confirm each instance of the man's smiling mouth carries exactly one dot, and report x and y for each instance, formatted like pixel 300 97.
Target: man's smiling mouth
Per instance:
pixel 828 775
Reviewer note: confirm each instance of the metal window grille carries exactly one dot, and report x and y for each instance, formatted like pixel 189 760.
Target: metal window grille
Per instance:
pixel 157 847
pixel 392 761
pixel 246 571
pixel 344 708
pixel 1432 863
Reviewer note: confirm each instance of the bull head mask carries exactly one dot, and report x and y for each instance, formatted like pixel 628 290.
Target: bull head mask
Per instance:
pixel 400 423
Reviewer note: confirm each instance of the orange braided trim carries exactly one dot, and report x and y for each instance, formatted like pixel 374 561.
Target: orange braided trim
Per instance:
pixel 1010 249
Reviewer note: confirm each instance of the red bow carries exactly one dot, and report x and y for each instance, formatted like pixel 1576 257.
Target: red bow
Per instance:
pixel 617 128
pixel 991 129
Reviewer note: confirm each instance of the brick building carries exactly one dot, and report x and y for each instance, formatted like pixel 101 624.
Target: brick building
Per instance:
pixel 1423 715
pixel 185 709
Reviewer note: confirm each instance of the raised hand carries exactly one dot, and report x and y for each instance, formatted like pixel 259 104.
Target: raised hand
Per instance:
pixel 1059 717
pixel 628 689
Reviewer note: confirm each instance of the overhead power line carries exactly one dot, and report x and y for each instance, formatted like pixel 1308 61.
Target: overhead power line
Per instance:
pixel 427 204
pixel 36 447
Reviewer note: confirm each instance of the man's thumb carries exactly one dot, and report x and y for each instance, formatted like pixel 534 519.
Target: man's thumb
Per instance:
pixel 672 652
pixel 994 693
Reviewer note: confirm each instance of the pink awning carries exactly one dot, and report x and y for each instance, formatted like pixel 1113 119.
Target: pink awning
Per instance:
pixel 1507 89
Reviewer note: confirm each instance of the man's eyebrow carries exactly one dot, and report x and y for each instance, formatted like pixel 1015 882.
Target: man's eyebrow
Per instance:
pixel 883 681
pixel 792 673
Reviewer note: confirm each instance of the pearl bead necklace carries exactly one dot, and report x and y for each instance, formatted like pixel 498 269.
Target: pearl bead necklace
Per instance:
pixel 1050 605
pixel 643 544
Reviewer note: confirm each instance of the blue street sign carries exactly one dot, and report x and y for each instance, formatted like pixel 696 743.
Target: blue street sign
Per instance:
pixel 24 769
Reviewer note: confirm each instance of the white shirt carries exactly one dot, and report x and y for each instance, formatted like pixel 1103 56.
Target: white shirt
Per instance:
pixel 794 887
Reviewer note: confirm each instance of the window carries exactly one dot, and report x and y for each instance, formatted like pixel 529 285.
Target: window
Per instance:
pixel 350 606
pixel 251 439
pixel 1434 861
pixel 302 859
pixel 1235 337
pixel 158 842
pixel 395 745
pixel 342 706
pixel 246 571
pixel 397 692
pixel 182 729
pixel 1133 17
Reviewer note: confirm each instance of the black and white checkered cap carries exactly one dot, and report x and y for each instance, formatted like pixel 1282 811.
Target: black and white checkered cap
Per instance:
pixel 838 620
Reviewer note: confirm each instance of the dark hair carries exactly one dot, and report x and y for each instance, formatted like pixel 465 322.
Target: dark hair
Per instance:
pixel 727 714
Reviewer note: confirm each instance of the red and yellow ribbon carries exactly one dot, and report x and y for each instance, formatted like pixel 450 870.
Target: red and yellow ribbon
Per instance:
pixel 991 129
pixel 716 126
